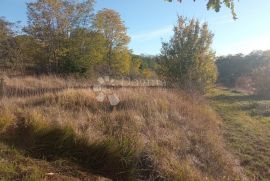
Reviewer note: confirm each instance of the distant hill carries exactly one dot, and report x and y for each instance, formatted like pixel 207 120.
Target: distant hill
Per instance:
pixel 233 67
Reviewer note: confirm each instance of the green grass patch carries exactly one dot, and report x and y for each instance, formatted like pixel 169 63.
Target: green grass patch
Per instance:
pixel 14 166
pixel 246 129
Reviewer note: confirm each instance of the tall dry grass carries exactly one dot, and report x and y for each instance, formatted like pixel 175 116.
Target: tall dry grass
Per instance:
pixel 152 134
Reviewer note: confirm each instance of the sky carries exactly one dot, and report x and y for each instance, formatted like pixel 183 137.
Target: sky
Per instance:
pixel 150 22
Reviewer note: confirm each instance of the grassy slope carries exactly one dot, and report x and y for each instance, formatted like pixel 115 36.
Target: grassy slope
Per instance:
pixel 152 134
pixel 246 129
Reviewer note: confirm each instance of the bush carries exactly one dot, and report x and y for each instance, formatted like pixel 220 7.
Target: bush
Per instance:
pixel 261 81
pixel 187 60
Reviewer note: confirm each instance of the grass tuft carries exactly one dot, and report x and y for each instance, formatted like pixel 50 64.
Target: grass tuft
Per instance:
pixel 113 159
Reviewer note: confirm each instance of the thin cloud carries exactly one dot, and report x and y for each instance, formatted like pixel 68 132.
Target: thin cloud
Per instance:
pixel 247 45
pixel 159 33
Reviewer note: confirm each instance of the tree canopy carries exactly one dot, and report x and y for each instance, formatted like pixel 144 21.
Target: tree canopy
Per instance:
pixel 5 28
pixel 51 22
pixel 187 60
pixel 108 23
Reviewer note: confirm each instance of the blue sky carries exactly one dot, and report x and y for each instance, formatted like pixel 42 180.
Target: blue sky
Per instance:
pixel 150 22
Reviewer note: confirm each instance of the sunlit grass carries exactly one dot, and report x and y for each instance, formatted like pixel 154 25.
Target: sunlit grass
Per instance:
pixel 151 134
pixel 246 129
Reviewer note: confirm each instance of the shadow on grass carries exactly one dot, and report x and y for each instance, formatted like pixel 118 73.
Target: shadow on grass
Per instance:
pixel 234 98
pixel 112 159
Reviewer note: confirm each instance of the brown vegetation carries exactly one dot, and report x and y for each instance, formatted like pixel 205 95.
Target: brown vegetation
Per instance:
pixel 166 136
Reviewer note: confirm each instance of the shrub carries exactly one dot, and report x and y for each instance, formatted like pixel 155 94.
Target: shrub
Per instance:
pixel 261 81
pixel 187 60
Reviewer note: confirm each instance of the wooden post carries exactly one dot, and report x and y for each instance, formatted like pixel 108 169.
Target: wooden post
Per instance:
pixel 2 87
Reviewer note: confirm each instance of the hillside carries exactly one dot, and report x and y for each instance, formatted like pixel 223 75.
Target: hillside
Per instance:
pixel 152 134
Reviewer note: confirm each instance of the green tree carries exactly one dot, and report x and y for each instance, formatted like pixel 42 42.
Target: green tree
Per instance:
pixel 5 43
pixel 5 29
pixel 149 62
pixel 51 23
pixel 10 51
pixel 84 57
pixel 121 61
pixel 109 24
pixel 187 59
pixel 135 67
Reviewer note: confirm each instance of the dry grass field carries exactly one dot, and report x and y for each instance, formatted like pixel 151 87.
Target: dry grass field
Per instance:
pixel 152 134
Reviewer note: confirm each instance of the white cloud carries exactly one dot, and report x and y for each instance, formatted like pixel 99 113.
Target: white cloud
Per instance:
pixel 246 46
pixel 154 34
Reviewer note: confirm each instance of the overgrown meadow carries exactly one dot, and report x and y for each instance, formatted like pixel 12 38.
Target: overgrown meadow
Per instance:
pixel 163 117
pixel 152 134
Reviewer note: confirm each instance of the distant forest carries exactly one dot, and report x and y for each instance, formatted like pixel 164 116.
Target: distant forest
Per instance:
pixel 246 71
pixel 231 68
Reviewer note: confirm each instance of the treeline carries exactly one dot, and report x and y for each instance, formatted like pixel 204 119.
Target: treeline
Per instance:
pixel 247 71
pixel 64 37
pixel 233 67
